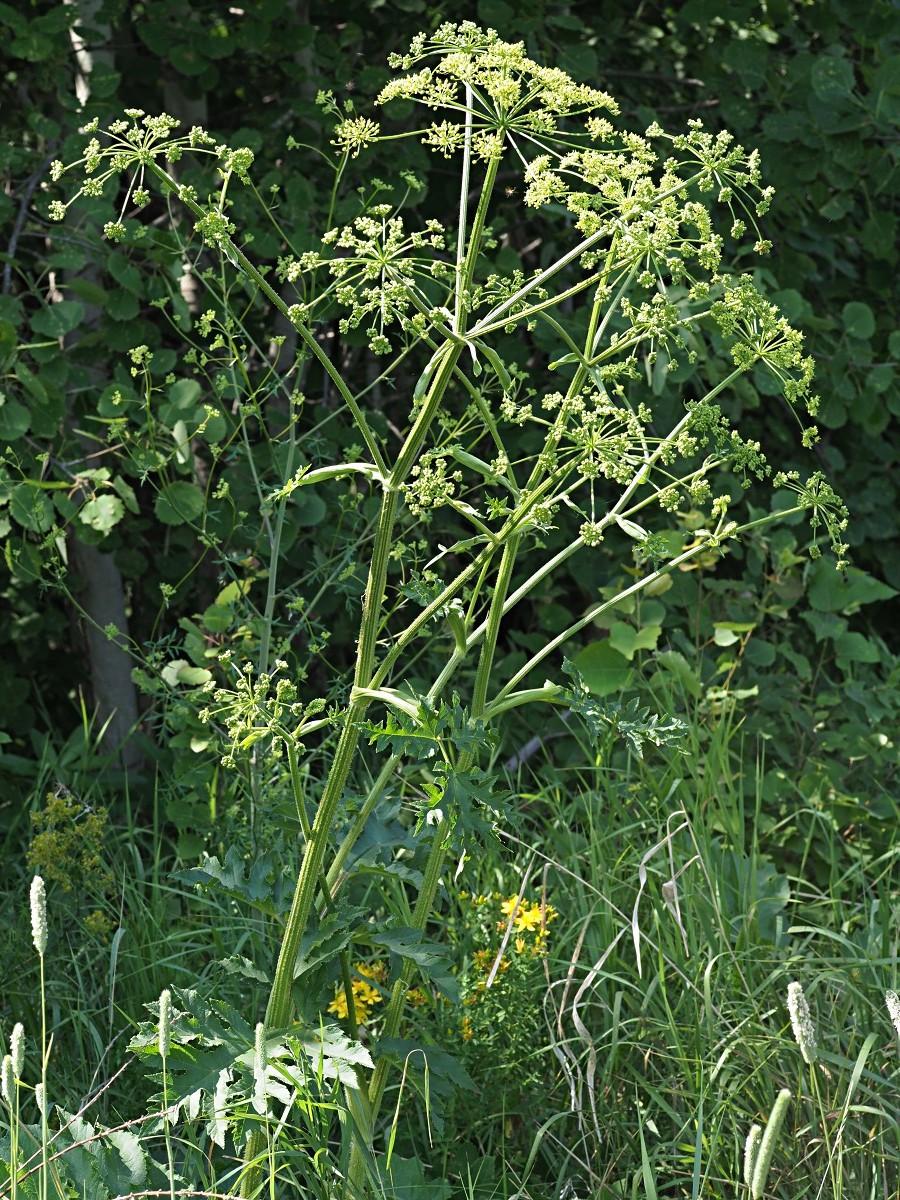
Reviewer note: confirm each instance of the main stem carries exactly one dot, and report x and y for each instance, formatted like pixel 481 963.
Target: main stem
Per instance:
pixel 279 1007
pixel 428 891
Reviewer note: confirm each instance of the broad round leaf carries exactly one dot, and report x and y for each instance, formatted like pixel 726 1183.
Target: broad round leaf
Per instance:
pixel 102 513
pixel 603 669
pixel 56 320
pixel 859 320
pixel 15 420
pixel 179 503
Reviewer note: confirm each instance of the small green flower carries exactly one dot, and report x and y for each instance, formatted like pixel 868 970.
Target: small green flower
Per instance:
pixel 355 134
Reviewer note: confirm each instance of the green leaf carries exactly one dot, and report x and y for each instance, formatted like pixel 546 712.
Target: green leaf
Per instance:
pixel 15 419
pixel 267 887
pixel 8 340
pixel 90 292
pixel 102 513
pixel 832 79
pixel 635 724
pixel 56 320
pixel 628 640
pixel 179 503
pixel 859 320
pixel 431 959
pixel 887 77
pixel 675 663
pixel 126 492
pixel 853 647
pixel 184 393
pixel 604 668
pixel 31 507
pixel 831 591
pixel 434 1074
pixel 306 508
pixel 124 273
pixel 122 305
pixel 187 60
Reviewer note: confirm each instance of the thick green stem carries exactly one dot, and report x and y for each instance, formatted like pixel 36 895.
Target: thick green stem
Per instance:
pixel 279 1008
pixel 435 863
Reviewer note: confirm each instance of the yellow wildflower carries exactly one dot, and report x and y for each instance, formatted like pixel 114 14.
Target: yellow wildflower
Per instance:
pixel 365 996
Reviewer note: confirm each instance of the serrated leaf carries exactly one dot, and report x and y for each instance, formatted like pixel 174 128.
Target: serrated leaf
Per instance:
pixel 635 724
pixel 431 959
pixel 267 887
pixel 324 939
pixel 239 964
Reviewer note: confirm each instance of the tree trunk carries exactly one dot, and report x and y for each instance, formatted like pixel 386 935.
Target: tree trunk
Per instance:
pixel 99 587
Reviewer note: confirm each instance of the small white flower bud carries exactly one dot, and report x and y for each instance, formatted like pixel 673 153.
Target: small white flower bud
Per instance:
pixel 39 915
pixel 751 1149
pixel 17 1049
pixel 893 1006
pixel 802 1023
pixel 165 1022
pixel 7 1079
pixel 40 1098
pixel 260 1061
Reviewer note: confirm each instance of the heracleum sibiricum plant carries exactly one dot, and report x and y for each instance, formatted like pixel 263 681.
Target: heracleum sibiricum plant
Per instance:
pixel 641 282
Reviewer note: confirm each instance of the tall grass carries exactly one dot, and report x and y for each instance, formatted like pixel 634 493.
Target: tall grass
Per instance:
pixel 662 1002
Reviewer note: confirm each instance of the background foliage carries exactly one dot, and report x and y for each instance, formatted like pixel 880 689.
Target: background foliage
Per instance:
pixel 816 87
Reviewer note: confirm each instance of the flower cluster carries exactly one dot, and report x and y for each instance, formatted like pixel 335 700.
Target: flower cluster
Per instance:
pixel 366 987
pixel 381 271
pixel 141 145
pixel 264 708
pixel 68 848
pixel 503 985
pixel 512 96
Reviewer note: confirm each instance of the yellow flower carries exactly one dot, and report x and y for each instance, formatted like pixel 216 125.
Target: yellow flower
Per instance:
pixel 365 996
pixel 529 916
